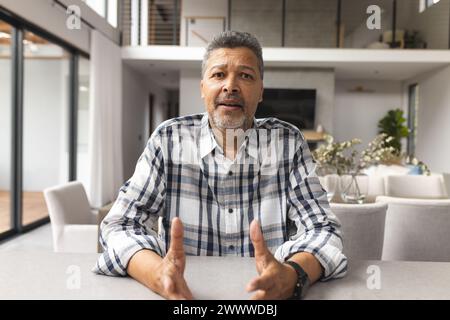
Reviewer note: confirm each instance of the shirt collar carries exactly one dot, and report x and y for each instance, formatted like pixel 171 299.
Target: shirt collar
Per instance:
pixel 208 142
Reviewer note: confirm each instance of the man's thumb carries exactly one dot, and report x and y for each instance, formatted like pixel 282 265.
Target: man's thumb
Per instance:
pixel 176 235
pixel 257 239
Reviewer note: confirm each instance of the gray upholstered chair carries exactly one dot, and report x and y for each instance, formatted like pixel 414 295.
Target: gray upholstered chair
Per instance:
pixel 362 228
pixel 74 225
pixel 416 229
pixel 415 186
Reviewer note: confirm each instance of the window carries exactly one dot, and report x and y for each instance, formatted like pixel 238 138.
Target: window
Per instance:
pixel 83 122
pixel 106 9
pixel 98 6
pixel 45 122
pixel 5 126
pixel 112 13
pixel 424 4
pixel 38 96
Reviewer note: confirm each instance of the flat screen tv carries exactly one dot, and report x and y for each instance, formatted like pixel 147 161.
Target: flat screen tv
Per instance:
pixel 296 106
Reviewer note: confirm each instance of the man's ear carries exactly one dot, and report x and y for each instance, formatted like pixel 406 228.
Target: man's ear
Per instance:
pixel 261 95
pixel 201 88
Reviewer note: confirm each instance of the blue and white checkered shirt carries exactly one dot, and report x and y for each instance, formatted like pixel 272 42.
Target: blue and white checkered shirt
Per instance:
pixel 184 173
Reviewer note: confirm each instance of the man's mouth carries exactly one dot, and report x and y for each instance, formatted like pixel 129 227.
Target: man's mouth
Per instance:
pixel 231 105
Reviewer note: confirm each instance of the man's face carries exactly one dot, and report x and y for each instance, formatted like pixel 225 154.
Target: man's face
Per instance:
pixel 231 87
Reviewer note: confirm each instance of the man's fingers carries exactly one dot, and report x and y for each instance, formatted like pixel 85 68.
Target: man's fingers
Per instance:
pixel 186 292
pixel 260 295
pixel 257 239
pixel 263 282
pixel 176 236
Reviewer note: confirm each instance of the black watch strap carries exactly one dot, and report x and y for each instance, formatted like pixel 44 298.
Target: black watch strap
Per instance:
pixel 302 284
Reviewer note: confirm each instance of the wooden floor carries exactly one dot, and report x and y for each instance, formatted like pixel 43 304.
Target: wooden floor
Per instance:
pixel 34 208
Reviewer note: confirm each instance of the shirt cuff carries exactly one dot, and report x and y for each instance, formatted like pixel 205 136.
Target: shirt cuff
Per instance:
pixel 329 254
pixel 114 260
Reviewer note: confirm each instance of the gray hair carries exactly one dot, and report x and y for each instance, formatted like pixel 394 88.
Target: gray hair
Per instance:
pixel 235 39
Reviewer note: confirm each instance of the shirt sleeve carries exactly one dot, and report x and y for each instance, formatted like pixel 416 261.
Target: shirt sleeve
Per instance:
pixel 132 223
pixel 317 228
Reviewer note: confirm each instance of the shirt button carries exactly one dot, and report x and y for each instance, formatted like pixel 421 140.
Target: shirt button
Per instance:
pixel 230 210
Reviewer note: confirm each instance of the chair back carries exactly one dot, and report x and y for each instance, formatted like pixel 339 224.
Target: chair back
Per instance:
pixel 362 229
pixel 415 186
pixel 416 229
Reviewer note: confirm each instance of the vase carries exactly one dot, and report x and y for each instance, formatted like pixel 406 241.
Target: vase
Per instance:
pixel 329 180
pixel 330 183
pixel 354 187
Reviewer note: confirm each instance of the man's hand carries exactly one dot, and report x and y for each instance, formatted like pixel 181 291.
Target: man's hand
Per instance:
pixel 170 271
pixel 275 280
pixel 163 275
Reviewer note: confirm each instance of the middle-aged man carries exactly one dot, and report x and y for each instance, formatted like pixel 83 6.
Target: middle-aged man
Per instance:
pixel 225 184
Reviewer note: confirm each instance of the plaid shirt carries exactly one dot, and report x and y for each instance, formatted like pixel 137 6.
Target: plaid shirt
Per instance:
pixel 183 173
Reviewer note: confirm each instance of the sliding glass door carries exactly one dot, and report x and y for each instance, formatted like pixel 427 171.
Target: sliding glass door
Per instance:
pixel 5 126
pixel 44 115
pixel 45 122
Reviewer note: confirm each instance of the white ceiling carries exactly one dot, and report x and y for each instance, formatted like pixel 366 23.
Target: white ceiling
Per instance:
pixel 163 63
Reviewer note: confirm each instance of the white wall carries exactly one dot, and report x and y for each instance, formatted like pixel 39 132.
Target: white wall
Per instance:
pixel 136 90
pixel 190 96
pixel 433 119
pixel 201 8
pixel 357 113
pixel 160 105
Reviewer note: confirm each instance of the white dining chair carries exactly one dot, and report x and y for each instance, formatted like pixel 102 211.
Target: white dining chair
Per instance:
pixel 362 228
pixel 416 229
pixel 74 225
pixel 415 186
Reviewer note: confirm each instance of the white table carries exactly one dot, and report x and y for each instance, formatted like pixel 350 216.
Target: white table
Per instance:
pixel 28 275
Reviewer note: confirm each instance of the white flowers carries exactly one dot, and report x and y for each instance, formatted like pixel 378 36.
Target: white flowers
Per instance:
pixel 342 158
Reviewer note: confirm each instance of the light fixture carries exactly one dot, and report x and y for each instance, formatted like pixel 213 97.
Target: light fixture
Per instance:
pixel 84 89
pixel 4 35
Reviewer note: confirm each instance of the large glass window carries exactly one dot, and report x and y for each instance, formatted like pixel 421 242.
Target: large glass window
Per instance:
pixel 83 122
pixel 105 8
pixel 5 126
pixel 45 122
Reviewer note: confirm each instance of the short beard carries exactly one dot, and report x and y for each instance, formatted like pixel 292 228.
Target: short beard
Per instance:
pixel 221 123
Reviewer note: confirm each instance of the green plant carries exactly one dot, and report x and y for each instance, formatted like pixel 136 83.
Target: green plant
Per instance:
pixel 393 125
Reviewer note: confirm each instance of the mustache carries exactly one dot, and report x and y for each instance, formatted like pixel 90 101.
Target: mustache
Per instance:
pixel 230 99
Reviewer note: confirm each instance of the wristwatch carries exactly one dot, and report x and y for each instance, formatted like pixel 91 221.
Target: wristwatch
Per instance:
pixel 302 284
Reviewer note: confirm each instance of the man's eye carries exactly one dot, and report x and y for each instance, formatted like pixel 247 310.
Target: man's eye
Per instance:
pixel 247 76
pixel 218 75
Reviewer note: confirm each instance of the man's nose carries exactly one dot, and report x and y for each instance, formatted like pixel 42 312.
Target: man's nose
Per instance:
pixel 231 86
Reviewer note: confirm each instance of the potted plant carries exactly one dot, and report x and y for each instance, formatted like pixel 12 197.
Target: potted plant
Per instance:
pixel 393 125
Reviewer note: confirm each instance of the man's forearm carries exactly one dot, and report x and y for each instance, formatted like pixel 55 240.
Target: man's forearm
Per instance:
pixel 310 264
pixel 141 267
